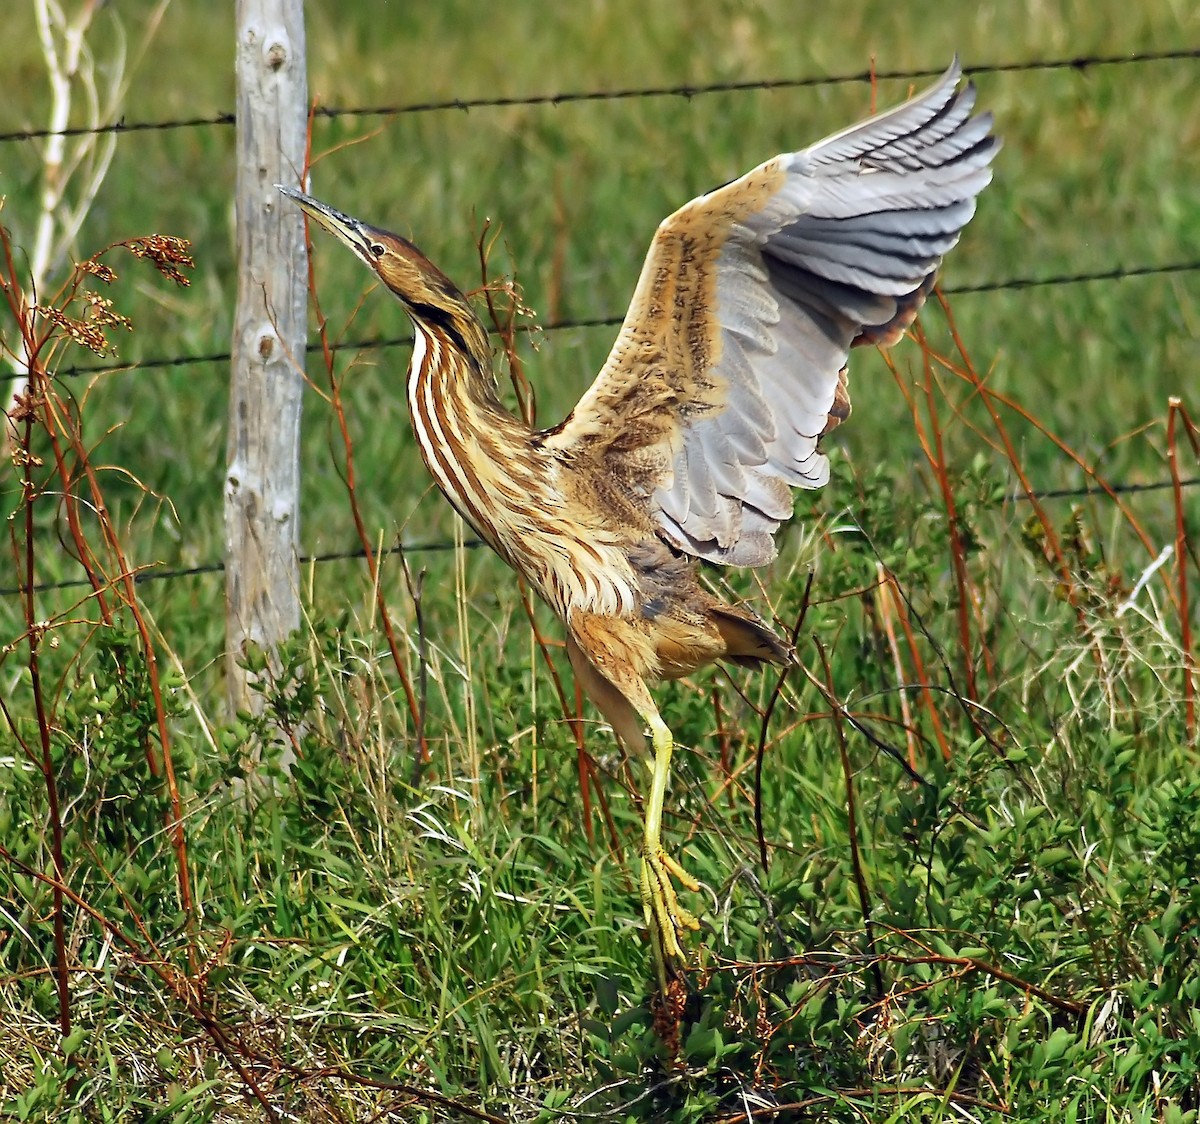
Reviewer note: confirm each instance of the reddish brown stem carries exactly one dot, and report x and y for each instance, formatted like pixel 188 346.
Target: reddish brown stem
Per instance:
pixel 1175 409
pixel 360 527
pixel 588 778
pixel 123 584
pixel 722 742
pixel 891 589
pixel 505 323
pixel 350 480
pixel 886 610
pixel 33 635
pixel 64 431
pixel 957 552
pixel 183 989
pixel 1053 546
pixel 968 963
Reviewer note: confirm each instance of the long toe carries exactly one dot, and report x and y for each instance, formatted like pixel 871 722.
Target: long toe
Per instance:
pixel 665 917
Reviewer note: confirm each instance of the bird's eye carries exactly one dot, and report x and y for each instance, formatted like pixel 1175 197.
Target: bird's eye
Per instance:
pixel 378 249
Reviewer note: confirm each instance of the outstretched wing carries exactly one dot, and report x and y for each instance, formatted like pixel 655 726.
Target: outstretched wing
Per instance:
pixel 731 361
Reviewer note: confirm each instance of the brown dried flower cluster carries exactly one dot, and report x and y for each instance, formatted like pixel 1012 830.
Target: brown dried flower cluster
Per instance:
pixel 101 311
pixel 98 270
pixel 89 332
pixel 166 253
pixel 89 335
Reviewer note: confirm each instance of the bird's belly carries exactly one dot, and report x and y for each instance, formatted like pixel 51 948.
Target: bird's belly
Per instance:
pixel 652 613
pixel 650 648
pixel 573 574
pixel 640 597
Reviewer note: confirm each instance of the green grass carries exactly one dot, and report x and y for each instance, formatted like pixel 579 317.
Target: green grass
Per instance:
pixel 460 933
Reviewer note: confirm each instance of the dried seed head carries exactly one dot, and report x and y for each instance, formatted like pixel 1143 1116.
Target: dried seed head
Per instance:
pixel 101 312
pixel 89 331
pixel 86 334
pixel 98 270
pixel 166 253
pixel 24 408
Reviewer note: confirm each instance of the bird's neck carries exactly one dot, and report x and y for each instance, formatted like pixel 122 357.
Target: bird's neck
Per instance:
pixel 473 446
pixel 498 476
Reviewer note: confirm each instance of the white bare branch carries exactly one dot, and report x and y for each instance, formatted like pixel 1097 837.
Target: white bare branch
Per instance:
pixel 73 167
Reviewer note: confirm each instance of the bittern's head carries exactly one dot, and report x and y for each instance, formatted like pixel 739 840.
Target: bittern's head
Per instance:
pixel 425 291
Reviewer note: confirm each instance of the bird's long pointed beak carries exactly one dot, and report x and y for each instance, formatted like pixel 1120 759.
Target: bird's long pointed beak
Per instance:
pixel 344 227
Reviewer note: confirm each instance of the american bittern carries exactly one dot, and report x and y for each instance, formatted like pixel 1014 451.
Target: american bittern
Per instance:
pixel 729 368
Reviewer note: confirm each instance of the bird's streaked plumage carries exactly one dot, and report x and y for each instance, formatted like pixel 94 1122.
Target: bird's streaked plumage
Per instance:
pixel 728 369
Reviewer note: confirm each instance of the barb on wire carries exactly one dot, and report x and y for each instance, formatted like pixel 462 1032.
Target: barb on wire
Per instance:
pixel 568 97
pixel 151 574
pixel 1116 273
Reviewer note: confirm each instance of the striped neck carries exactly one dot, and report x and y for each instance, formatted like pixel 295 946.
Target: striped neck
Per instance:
pixel 478 453
pixel 500 480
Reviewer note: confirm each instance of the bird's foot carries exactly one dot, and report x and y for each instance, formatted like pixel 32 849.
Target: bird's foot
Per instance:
pixel 665 917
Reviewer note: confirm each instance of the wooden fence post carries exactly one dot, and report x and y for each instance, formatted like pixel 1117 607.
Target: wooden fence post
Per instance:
pixel 262 482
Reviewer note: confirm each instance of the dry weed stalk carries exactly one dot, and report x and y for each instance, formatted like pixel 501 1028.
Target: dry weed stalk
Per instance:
pixel 1058 547
pixel 416 705
pixel 52 458
pixel 506 308
pixel 1184 546
pixel 54 467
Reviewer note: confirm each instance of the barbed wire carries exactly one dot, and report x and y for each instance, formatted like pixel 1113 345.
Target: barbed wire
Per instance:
pixel 1116 273
pixel 1014 284
pixel 567 97
pixel 439 547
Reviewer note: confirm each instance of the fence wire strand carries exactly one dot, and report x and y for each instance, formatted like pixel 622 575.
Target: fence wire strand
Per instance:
pixel 1079 63
pixel 151 574
pixel 1013 284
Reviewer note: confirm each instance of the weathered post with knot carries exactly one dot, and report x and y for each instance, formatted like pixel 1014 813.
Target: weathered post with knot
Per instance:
pixel 262 481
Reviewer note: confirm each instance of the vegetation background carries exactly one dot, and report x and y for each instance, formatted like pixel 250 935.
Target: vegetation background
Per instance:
pixel 1015 936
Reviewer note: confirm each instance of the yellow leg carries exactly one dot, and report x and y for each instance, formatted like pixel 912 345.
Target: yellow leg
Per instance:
pixel 627 704
pixel 664 915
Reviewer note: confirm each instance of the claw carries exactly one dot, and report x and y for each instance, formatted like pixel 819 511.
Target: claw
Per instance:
pixel 681 875
pixel 665 917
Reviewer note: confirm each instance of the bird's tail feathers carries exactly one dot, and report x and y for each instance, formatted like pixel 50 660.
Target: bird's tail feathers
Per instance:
pixel 748 641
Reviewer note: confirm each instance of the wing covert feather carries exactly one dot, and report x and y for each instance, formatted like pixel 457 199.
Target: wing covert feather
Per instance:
pixel 731 362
